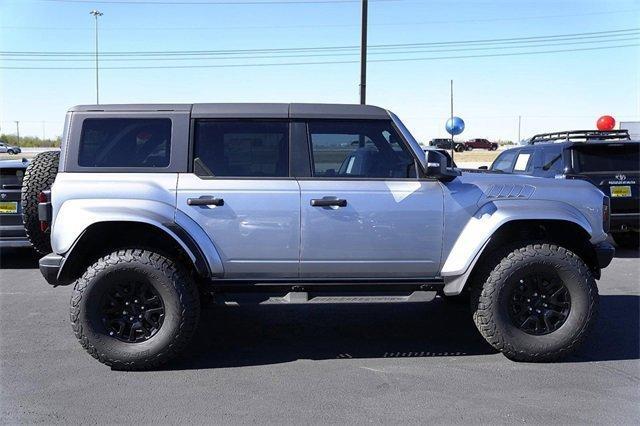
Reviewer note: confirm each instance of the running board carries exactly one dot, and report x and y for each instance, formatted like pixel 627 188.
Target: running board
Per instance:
pixel 319 297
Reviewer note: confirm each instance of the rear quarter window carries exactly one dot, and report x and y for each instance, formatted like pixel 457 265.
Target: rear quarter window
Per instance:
pixel 125 142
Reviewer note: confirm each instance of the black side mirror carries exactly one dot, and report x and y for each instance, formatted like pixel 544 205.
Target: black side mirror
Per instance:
pixel 436 166
pixel 483 168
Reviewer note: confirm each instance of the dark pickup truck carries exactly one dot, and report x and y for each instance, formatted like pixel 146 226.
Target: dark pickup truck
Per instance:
pixel 610 160
pixel 443 143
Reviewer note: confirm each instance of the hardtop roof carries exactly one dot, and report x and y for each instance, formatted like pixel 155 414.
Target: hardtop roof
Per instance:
pixel 250 110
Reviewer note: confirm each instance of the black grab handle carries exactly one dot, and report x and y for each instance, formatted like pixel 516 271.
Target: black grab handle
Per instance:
pixel 205 201
pixel 328 202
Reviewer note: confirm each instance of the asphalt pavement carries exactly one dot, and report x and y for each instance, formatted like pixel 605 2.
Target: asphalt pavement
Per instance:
pixel 402 363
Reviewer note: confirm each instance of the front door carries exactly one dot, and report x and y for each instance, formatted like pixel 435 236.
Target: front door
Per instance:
pixel 241 194
pixel 364 213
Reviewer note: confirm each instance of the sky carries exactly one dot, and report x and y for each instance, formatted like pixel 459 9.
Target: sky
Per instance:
pixel 594 70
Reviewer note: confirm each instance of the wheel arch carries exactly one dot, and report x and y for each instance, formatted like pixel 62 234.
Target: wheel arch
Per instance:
pixel 564 232
pixel 169 239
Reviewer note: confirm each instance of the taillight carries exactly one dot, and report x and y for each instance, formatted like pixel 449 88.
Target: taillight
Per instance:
pixel 42 198
pixel 606 214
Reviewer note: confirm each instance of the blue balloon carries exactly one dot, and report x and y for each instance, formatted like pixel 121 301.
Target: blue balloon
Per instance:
pixel 454 126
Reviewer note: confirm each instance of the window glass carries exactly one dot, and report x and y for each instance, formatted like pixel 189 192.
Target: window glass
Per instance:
pixel 357 149
pixel 522 161
pixel 608 158
pixel 504 162
pixel 241 148
pixel 125 142
pixel 552 161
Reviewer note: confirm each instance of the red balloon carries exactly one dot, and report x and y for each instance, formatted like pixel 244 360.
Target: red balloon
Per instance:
pixel 606 122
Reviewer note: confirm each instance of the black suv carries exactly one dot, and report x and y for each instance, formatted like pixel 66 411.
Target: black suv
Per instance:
pixel 444 143
pixel 12 232
pixel 608 159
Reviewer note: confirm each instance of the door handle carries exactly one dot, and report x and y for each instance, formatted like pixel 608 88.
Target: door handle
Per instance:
pixel 328 202
pixel 205 201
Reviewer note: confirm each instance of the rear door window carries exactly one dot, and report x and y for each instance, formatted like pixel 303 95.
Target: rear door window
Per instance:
pixel 241 148
pixel 125 142
pixel 551 163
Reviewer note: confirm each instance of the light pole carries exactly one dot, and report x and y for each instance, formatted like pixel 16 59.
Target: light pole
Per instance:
pixel 18 131
pixel 95 14
pixel 363 54
pixel 519 125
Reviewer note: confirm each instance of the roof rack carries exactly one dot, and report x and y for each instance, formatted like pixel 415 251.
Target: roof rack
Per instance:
pixel 581 136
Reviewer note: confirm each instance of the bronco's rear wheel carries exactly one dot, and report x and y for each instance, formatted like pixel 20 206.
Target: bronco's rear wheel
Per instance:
pixel 134 309
pixel 39 176
pixel 535 303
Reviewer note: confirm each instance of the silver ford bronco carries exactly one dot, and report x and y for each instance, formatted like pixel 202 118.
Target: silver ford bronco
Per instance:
pixel 155 209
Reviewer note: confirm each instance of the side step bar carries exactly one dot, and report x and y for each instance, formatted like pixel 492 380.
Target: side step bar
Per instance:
pixel 302 297
pixel 228 293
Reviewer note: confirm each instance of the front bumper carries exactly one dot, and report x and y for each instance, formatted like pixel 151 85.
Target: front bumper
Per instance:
pixel 50 266
pixel 604 253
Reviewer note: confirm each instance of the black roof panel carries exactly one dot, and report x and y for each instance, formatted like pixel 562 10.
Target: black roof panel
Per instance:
pixel 237 110
pixel 130 107
pixel 251 110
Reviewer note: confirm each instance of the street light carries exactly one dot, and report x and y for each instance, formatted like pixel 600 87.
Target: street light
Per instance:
pixel 95 14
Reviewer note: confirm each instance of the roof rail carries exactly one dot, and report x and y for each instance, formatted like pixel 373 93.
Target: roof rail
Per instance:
pixel 580 136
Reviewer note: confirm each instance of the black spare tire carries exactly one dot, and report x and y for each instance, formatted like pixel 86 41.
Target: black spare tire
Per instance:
pixel 38 177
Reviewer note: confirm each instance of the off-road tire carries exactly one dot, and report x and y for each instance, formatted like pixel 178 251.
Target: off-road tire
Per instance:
pixel 11 152
pixel 490 307
pixel 627 240
pixel 177 290
pixel 38 177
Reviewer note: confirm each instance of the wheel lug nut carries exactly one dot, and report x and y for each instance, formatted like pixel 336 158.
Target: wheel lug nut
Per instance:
pixel 124 312
pixel 141 307
pixel 528 300
pixel 538 310
pixel 111 333
pixel 126 303
pixel 140 316
pixel 135 301
pixel 535 294
pixel 131 318
pixel 545 305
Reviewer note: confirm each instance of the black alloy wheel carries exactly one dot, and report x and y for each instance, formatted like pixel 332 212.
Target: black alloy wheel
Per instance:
pixel 539 304
pixel 132 312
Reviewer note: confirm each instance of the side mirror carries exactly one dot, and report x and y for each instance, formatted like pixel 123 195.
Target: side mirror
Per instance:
pixel 483 168
pixel 436 166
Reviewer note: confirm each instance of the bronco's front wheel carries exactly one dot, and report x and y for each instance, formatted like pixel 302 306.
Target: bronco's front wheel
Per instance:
pixel 536 303
pixel 134 309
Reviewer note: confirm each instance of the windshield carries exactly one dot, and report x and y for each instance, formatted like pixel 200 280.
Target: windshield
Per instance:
pixel 608 158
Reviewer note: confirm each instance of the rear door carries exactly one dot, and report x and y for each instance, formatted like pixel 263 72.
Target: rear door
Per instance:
pixel 241 193
pixel 364 211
